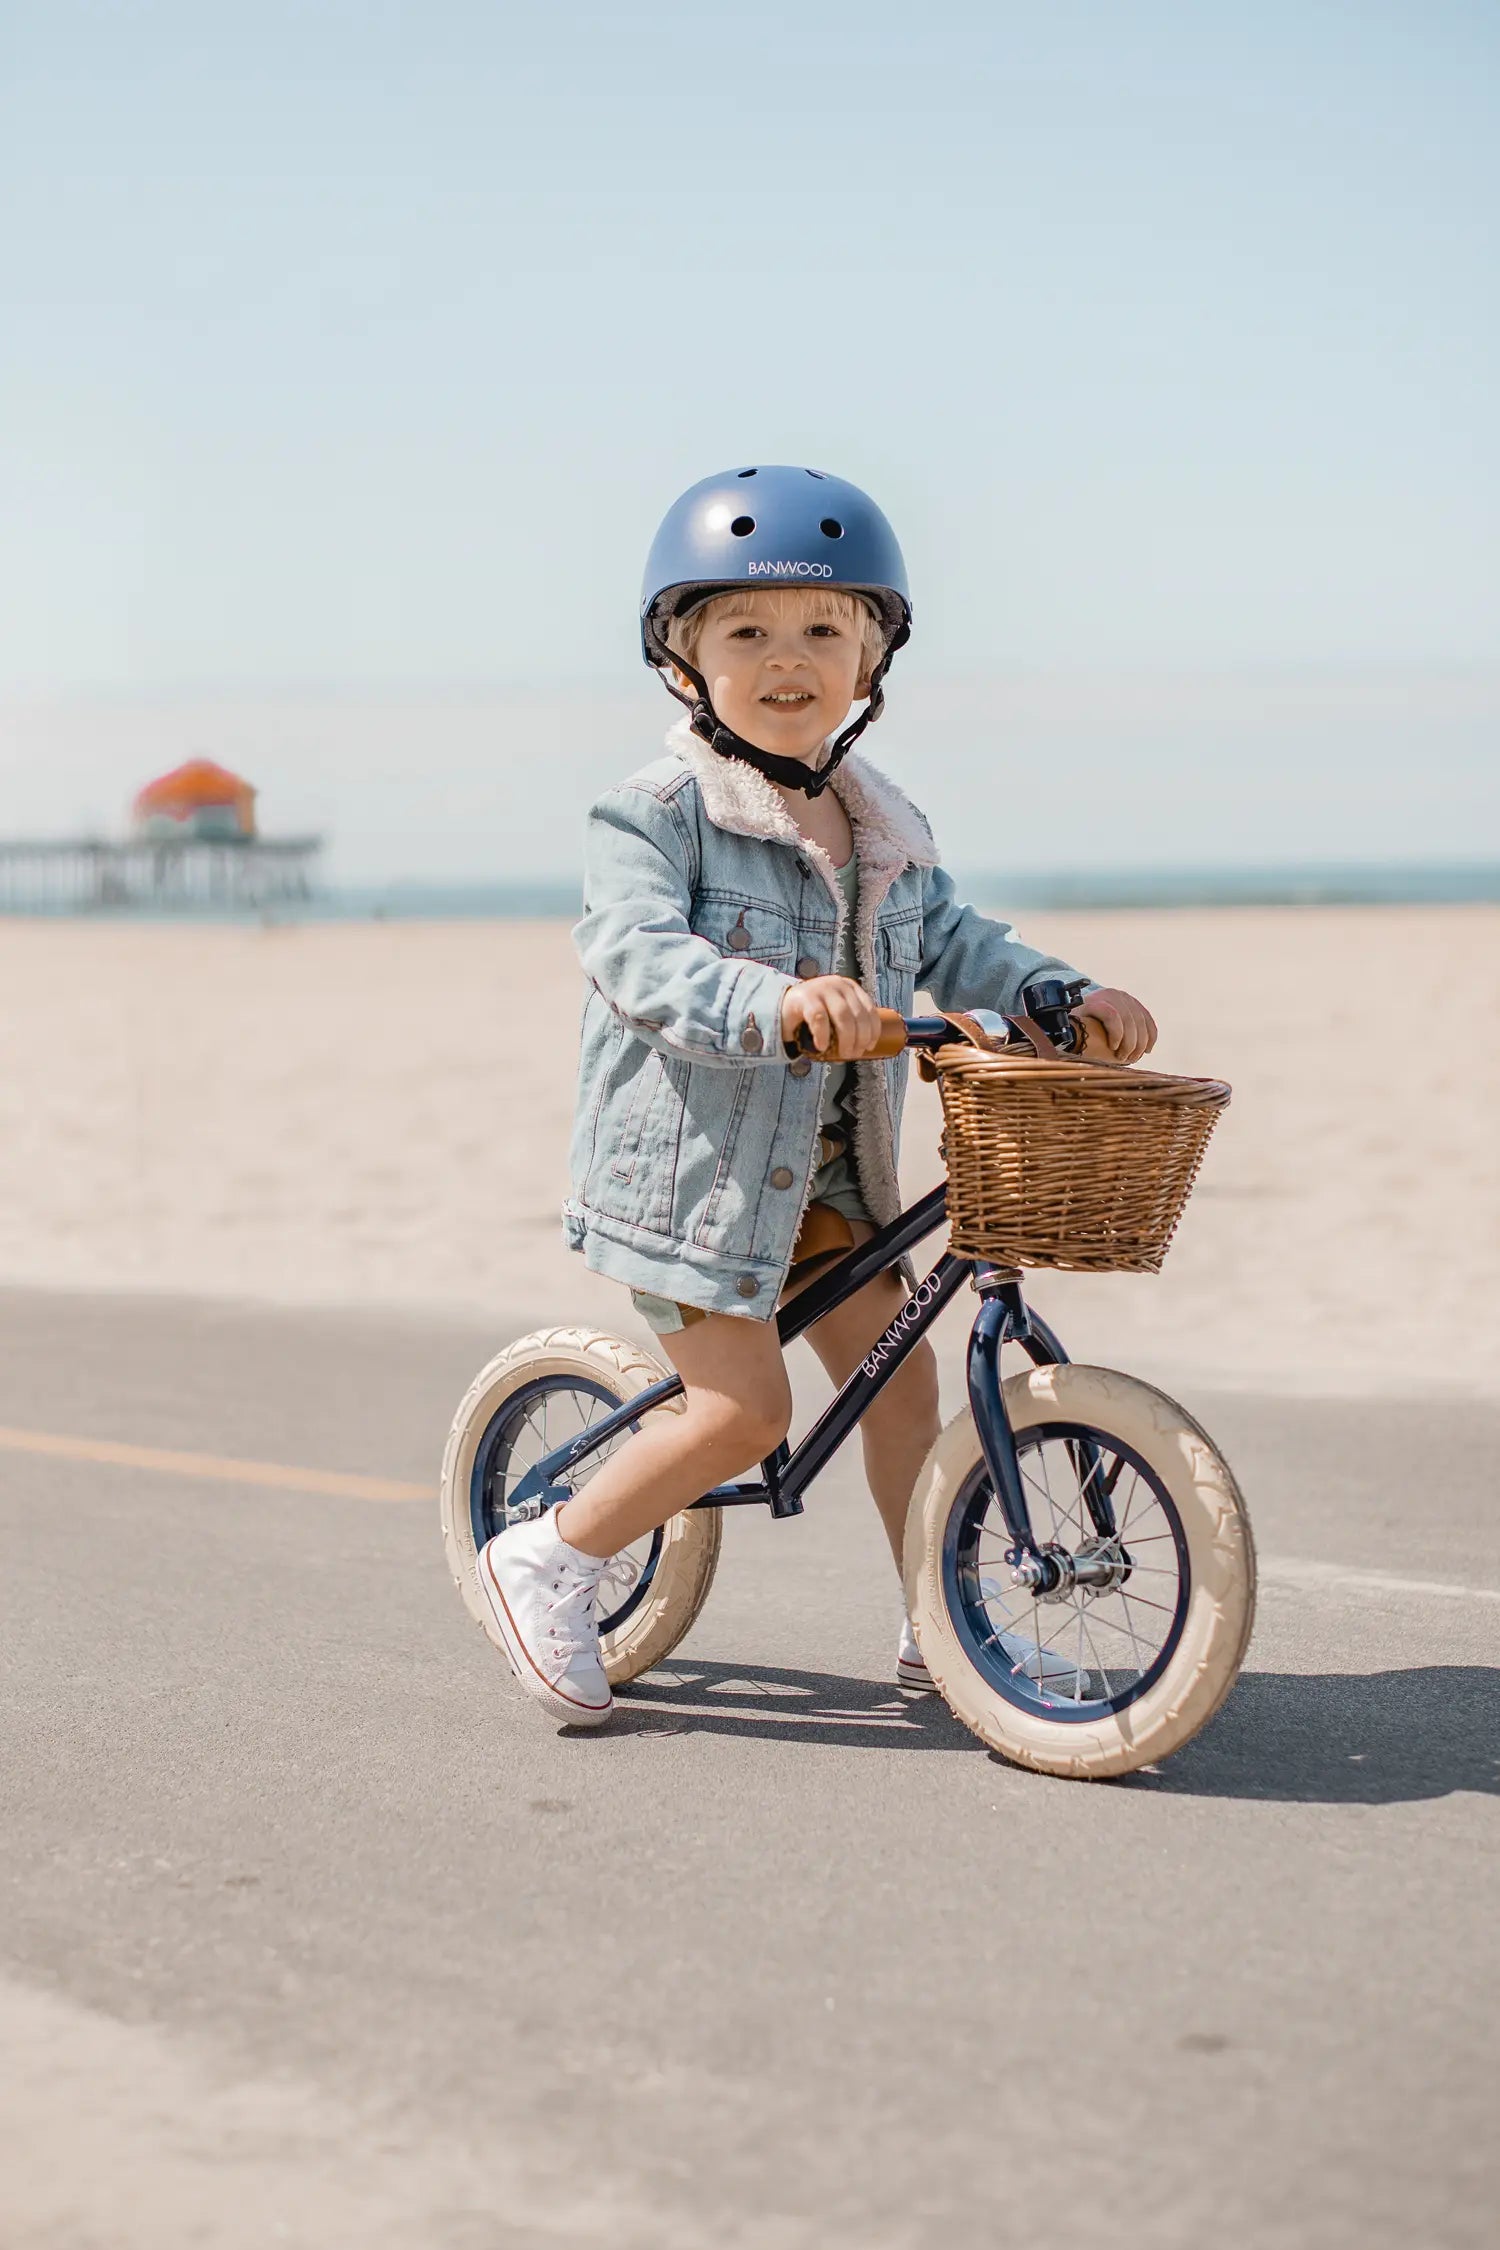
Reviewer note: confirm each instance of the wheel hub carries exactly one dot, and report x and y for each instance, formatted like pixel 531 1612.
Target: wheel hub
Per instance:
pixel 530 1499
pixel 1054 1574
pixel 1101 1566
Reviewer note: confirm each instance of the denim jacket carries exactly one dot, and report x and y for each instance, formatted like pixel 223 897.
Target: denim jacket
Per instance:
pixel 695 1141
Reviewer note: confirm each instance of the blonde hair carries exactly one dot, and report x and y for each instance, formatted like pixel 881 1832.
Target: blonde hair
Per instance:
pixel 813 603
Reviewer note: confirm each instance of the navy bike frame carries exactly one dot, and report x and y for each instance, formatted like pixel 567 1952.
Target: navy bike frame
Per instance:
pixel 1003 1317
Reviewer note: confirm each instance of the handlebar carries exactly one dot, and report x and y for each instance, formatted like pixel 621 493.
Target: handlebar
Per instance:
pixel 1049 1003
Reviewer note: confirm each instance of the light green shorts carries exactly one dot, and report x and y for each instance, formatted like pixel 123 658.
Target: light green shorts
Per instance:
pixel 661 1315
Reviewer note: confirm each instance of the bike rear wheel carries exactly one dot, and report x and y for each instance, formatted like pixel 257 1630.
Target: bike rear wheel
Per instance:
pixel 534 1396
pixel 1143 1644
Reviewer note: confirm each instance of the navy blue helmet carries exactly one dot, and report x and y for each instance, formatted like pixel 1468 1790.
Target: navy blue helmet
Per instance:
pixel 775 526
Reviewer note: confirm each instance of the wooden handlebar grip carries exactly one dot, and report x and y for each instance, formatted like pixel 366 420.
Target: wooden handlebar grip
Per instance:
pixel 891 1041
pixel 892 1034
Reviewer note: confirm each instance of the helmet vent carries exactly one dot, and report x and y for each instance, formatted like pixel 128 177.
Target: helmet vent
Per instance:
pixel 831 528
pixel 820 474
pixel 742 526
pixel 744 472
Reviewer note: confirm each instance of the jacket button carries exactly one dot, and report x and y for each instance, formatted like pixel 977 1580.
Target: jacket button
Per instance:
pixel 739 938
pixel 781 1177
pixel 800 1068
pixel 808 967
pixel 747 1285
pixel 750 1038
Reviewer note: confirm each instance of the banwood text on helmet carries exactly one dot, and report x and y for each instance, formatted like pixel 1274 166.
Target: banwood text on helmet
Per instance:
pixel 771 527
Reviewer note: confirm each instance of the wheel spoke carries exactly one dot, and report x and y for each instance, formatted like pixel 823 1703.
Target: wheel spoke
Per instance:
pixel 1100 1667
pixel 1076 1523
pixel 1028 1478
pixel 1051 1503
pixel 1039 1489
pixel 1135 1486
pixel 1146 1602
pixel 1134 1641
pixel 1094 1467
pixel 528 1429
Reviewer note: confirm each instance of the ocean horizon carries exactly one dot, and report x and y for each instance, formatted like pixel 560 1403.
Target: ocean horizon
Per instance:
pixel 1331 884
pixel 1449 883
pixel 1074 889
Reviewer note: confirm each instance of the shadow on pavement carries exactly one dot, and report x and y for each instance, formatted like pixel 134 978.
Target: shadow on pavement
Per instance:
pixel 766 1703
pixel 1346 1738
pixel 1341 1738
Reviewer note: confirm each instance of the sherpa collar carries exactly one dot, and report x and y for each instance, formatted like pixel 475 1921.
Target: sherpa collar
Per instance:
pixel 889 832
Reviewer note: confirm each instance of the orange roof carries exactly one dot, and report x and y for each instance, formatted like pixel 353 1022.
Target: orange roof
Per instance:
pixel 190 787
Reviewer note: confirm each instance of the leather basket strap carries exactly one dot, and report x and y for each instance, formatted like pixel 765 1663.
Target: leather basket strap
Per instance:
pixel 967 1028
pixel 1041 1044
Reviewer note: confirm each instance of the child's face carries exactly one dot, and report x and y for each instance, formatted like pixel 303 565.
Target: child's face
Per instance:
pixel 779 674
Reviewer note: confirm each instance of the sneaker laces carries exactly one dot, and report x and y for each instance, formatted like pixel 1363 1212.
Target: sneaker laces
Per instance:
pixel 571 1631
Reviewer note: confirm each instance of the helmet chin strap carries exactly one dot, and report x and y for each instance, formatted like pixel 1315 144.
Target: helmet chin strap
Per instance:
pixel 791 773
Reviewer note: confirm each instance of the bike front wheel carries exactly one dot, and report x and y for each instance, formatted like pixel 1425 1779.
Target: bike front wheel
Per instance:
pixel 1135 1649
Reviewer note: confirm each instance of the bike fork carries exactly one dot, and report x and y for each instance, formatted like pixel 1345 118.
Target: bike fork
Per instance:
pixel 1004 1318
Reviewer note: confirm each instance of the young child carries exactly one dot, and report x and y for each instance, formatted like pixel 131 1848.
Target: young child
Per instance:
pixel 755 880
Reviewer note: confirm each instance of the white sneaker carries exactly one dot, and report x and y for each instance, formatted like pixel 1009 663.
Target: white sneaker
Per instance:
pixel 911 1673
pixel 539 1608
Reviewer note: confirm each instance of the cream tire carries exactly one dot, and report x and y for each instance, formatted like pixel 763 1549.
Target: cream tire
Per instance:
pixel 690 1540
pixel 1221 1577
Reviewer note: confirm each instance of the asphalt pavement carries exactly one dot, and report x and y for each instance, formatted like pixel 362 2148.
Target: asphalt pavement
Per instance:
pixel 316 1932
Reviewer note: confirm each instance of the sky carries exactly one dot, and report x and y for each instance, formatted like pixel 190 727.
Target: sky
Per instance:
pixel 350 353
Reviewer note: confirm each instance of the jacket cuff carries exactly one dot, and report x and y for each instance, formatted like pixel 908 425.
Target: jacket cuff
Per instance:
pixel 752 1020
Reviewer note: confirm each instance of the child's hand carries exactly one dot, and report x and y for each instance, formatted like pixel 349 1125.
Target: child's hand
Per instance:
pixel 839 1014
pixel 1117 1022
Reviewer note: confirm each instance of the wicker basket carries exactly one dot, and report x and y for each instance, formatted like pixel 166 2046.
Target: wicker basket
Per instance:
pixel 1080 1166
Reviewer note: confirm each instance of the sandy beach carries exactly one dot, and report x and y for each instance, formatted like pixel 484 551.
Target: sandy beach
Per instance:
pixel 376 1115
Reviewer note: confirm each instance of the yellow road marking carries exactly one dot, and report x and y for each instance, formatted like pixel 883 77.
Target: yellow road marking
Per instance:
pixel 336 1483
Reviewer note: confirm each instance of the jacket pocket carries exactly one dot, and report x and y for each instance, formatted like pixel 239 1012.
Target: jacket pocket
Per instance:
pixel 721 1183
pixel 900 957
pixel 642 1094
pixel 745 929
pixel 635 1174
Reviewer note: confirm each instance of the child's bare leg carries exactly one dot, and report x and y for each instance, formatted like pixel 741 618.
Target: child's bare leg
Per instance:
pixel 902 1422
pixel 737 1407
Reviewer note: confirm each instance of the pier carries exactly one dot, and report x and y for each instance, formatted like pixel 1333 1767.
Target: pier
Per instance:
pixel 157 874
